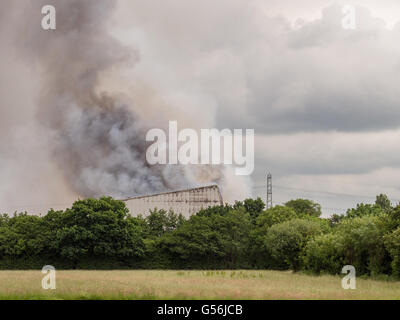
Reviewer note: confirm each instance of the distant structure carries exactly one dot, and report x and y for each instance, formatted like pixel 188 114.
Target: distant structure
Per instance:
pixel 186 202
pixel 269 191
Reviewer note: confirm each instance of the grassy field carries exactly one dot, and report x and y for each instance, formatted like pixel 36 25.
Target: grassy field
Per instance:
pixel 189 285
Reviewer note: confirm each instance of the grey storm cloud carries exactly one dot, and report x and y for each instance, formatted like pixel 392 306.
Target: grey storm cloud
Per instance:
pixel 262 72
pixel 329 153
pixel 321 77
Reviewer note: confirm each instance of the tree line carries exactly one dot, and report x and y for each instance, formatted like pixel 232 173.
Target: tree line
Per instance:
pixel 101 234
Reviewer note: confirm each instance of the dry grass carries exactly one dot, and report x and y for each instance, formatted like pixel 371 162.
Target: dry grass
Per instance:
pixel 189 285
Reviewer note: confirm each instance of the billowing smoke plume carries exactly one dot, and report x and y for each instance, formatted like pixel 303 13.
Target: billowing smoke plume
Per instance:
pixel 98 139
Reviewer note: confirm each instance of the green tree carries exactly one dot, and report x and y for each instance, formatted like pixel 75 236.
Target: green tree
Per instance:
pixel 161 221
pixel 364 210
pixel 210 211
pixel 358 241
pixel 22 236
pixel 305 207
pixel 251 206
pixel 393 218
pixel 97 228
pixel 392 244
pixel 214 241
pixel 362 244
pixel 286 240
pixel 275 215
pixel 259 254
pixel 383 202
pixel 335 219
pixel 324 254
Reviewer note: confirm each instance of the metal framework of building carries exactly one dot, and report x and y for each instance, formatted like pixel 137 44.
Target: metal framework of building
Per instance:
pixel 186 202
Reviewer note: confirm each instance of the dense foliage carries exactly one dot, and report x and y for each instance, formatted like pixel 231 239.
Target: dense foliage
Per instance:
pixel 100 233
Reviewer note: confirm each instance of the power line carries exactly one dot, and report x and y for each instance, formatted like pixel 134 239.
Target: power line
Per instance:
pixel 17 207
pixel 323 192
pixel 325 208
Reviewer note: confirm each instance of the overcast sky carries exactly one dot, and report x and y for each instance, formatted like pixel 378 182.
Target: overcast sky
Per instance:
pixel 324 101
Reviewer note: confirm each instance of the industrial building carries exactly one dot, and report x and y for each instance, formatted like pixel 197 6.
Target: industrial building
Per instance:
pixel 186 202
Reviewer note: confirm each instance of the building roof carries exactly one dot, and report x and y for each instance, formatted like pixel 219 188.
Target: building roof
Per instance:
pixel 177 191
